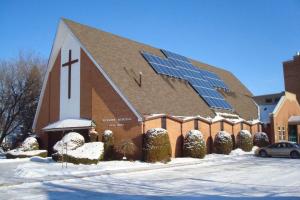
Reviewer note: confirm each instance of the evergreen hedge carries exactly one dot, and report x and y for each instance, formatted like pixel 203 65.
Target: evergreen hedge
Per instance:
pixel 194 145
pixel 261 139
pixel 156 146
pixel 244 140
pixel 223 143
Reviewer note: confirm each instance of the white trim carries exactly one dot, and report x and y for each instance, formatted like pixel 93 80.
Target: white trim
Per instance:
pixel 53 55
pixel 279 104
pixel 258 109
pixel 69 124
pixel 59 36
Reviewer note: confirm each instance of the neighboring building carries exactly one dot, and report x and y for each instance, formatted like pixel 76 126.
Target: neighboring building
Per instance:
pixel 291 71
pixel 279 114
pixel 95 78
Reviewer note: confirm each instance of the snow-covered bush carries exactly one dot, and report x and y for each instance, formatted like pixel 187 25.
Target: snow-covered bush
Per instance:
pixel 156 146
pixel 88 153
pixel 261 139
pixel 244 140
pixel 19 153
pixel 30 144
pixel 194 144
pixel 108 140
pixel 93 135
pixel 29 148
pixel 223 143
pixel 70 141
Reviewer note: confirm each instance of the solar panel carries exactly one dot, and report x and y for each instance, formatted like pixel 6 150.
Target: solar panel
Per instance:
pixel 161 65
pixel 212 97
pixel 197 79
pixel 175 56
pixel 203 82
pixel 179 60
pixel 215 80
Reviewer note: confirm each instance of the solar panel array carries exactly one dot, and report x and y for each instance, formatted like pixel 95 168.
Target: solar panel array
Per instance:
pixel 213 78
pixel 203 82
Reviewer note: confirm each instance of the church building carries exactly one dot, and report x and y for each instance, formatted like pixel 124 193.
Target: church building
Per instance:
pixel 99 81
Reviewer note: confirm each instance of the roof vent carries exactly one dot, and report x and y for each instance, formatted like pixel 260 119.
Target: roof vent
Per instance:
pixel 140 83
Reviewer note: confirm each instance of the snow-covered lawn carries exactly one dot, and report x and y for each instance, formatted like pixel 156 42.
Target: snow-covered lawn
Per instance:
pixel 236 176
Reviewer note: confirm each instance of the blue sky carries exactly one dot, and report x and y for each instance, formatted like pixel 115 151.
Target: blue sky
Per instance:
pixel 249 38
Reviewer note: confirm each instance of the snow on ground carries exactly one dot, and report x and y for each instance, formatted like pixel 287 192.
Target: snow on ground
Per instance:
pixel 20 152
pixel 239 175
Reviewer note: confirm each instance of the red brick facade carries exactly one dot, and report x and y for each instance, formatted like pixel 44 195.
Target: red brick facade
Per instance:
pixel 177 129
pixel 291 71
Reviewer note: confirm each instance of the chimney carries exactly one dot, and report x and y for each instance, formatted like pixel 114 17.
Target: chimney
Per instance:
pixel 297 56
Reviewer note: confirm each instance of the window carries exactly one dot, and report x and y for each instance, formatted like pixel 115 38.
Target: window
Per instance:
pixel 281 133
pixel 288 145
pixel 278 145
pixel 268 100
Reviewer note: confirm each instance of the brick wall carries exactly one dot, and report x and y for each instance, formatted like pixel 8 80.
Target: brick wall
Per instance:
pixel 178 128
pixel 175 134
pixel 291 71
pixel 204 127
pixel 101 103
pixel 49 110
pixel 246 126
pixel 187 126
pixel 289 108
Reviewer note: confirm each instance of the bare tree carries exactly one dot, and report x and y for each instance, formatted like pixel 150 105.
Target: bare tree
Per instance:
pixel 20 85
pixel 126 147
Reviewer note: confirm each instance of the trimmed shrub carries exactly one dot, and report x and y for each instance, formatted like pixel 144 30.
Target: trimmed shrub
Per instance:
pixel 108 140
pixel 223 143
pixel 89 153
pixel 261 139
pixel 70 141
pixel 156 146
pixel 194 144
pixel 29 148
pixel 244 140
pixel 30 144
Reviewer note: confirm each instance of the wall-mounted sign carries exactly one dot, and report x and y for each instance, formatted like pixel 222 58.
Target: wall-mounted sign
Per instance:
pixel 117 122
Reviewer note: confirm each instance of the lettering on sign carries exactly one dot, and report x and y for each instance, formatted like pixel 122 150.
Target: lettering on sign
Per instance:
pixel 117 122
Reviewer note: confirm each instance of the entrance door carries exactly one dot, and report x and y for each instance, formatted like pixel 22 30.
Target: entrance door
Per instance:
pixel 293 133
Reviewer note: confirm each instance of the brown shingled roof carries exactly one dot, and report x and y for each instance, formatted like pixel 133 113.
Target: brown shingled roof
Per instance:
pixel 122 61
